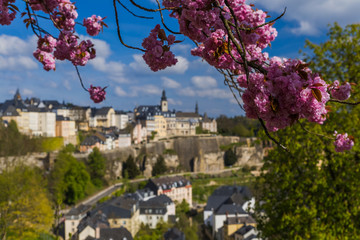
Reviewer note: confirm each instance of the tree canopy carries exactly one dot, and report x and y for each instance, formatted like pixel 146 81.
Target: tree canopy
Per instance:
pixel 313 192
pixel 25 210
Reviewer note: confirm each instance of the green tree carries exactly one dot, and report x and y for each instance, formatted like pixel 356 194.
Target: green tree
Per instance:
pixel 25 210
pixel 230 157
pixel 69 179
pixel 313 192
pixel 159 167
pixel 97 167
pixel 131 168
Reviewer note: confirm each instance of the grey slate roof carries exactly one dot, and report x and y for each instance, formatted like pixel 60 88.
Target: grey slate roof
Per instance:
pixel 214 202
pixel 230 208
pixel 97 219
pixel 174 234
pixel 115 234
pixel 101 111
pixel 187 115
pixel 81 209
pixel 241 219
pixel 244 229
pixel 167 182
pixel 91 140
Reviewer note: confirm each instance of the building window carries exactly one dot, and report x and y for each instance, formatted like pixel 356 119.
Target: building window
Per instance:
pixel 124 222
pixel 72 223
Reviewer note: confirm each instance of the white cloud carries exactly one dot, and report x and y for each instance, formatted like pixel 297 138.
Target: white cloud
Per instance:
pixel 313 16
pixel 170 83
pixel 135 91
pixel 139 65
pixel 214 93
pixel 16 53
pixel 174 102
pixel 17 62
pixel 66 84
pixel 120 92
pixel 204 82
pixel 113 69
pixel 12 45
pixel 27 92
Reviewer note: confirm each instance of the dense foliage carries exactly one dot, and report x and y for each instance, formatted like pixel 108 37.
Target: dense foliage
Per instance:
pixel 25 210
pixel 130 169
pixel 159 167
pixel 314 191
pixel 230 157
pixel 237 126
pixel 69 179
pixel 97 166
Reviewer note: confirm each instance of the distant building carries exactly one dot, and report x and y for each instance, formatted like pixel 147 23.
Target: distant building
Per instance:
pixel 155 210
pixel 102 117
pixel 121 119
pixel 227 202
pixel 66 128
pixel 209 124
pixel 123 212
pixel 177 188
pixel 73 218
pixel 91 142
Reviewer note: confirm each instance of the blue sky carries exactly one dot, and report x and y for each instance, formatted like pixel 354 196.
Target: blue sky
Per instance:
pixel 130 82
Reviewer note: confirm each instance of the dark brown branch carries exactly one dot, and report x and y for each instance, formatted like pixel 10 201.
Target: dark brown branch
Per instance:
pixel 271 138
pixel 162 20
pixel 81 81
pixel 344 102
pixel 118 30
pixel 135 15
pixel 148 9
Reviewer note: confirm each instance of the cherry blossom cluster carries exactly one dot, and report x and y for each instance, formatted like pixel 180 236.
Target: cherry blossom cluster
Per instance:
pixel 200 20
pixel 289 91
pixel 97 94
pixel 7 12
pixel 94 25
pixel 158 55
pixel 340 92
pixel 343 142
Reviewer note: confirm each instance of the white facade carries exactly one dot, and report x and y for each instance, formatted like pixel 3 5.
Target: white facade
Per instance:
pixel 88 231
pixel 42 123
pixel 121 121
pixel 152 218
pixel 218 220
pixel 124 140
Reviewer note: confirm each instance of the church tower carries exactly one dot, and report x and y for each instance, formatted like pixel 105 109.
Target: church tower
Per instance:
pixel 196 108
pixel 163 102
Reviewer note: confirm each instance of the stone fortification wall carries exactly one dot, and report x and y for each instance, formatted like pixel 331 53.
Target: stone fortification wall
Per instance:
pixel 198 154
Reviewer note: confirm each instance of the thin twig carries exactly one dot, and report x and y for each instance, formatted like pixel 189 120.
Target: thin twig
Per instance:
pixel 271 138
pixel 317 134
pixel 30 19
pixel 162 20
pixel 344 102
pixel 132 12
pixel 118 30
pixel 81 81
pixel 150 10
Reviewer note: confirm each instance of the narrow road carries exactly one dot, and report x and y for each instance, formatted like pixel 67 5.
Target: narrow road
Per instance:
pixel 109 190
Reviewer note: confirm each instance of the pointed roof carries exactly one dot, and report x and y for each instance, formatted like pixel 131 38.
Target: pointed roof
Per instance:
pixel 163 97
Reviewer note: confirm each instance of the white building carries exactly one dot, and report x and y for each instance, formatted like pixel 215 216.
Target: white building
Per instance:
pixel 73 218
pixel 121 120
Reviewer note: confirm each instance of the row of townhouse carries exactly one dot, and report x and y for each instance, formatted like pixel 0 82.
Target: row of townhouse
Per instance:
pixel 106 140
pixel 164 122
pixel 147 206
pixel 50 118
pixel 53 119
pixel 228 213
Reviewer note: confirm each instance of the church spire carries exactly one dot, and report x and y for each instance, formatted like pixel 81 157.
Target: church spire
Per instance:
pixel 163 97
pixel 17 95
pixel 196 108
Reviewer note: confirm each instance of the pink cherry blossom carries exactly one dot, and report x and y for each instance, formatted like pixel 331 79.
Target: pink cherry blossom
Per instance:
pixel 343 142
pixel 158 55
pixel 6 17
pixel 93 25
pixel 340 92
pixel 97 94
pixel 46 58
